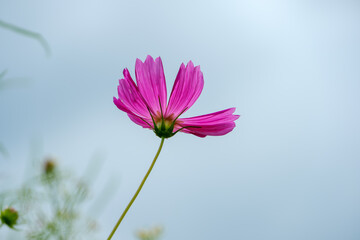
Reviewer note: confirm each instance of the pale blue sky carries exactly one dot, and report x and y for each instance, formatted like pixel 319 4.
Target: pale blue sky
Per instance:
pixel 289 170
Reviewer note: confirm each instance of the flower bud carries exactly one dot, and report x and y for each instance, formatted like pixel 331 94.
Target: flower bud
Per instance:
pixel 49 166
pixel 9 217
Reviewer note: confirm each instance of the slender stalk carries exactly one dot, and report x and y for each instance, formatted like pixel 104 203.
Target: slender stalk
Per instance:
pixel 137 191
pixel 27 33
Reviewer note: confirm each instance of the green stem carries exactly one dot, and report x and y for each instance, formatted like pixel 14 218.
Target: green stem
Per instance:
pixel 137 191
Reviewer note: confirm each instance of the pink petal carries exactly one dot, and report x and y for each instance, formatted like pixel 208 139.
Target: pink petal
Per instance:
pixel 187 88
pixel 151 83
pixel 213 124
pixel 130 100
pixel 144 122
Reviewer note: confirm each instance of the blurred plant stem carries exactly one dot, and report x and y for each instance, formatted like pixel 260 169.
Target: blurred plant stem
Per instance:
pixel 3 150
pixel 3 74
pixel 27 33
pixel 137 191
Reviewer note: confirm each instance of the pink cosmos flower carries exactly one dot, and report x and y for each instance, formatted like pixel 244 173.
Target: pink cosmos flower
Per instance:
pixel 146 102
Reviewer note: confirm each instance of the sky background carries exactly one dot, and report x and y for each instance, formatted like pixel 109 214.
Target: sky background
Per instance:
pixel 289 170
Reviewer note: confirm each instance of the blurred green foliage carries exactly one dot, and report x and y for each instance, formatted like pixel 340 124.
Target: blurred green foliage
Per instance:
pixel 5 82
pixel 50 206
pixel 150 234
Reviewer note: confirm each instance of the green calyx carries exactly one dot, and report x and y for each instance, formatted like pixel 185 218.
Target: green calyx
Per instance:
pixel 164 128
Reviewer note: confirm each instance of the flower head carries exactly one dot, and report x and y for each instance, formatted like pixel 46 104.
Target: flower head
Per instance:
pixel 146 101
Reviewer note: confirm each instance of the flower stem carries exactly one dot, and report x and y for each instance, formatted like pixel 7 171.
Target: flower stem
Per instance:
pixel 137 191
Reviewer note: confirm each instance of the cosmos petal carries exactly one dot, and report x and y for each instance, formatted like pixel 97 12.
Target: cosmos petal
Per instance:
pixel 130 100
pixel 187 88
pixel 145 123
pixel 151 83
pixel 212 124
